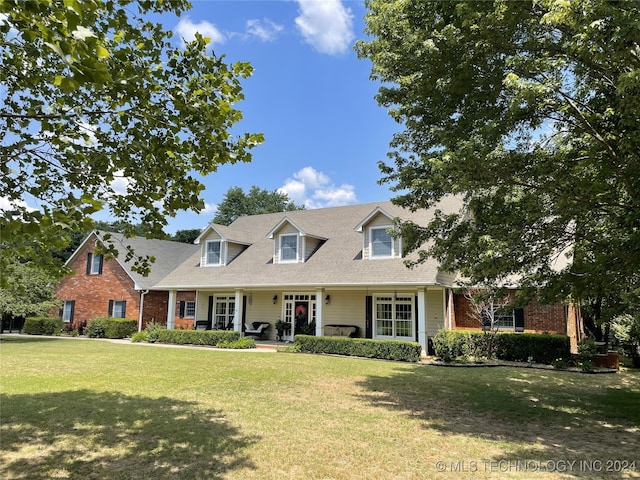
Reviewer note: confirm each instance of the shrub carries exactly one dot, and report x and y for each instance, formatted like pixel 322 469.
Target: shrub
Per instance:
pixel 120 327
pixel 453 345
pixel 139 337
pixel 96 327
pixel 360 347
pixel 586 350
pixel 626 332
pixel 240 343
pixel 153 330
pixel 197 337
pixel 43 325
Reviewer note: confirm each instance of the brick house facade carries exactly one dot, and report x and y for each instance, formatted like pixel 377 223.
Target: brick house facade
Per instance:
pixel 102 286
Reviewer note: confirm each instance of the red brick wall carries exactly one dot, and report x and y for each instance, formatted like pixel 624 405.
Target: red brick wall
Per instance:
pixel 186 322
pixel 155 308
pixel 537 318
pixel 93 292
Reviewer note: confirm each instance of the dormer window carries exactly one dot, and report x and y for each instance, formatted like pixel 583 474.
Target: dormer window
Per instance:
pixel 289 248
pixel 381 243
pixel 214 252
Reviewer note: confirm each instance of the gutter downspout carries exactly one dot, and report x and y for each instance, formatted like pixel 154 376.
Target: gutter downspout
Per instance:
pixel 142 294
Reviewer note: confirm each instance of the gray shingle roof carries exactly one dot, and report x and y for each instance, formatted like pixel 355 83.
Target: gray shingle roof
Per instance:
pixel 338 261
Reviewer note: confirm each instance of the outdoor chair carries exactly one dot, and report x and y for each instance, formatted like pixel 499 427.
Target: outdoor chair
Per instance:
pixel 256 329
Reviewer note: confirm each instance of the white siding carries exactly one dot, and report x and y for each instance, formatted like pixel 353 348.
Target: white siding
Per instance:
pixel 435 311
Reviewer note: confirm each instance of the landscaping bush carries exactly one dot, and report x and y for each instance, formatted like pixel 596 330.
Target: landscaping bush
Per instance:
pixel 196 337
pixel 140 337
pixel 43 325
pixel 120 327
pixel 153 330
pixel 96 327
pixel 453 345
pixel 241 343
pixel 360 347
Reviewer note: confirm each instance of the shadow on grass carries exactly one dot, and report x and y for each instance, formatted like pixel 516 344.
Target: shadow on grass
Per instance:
pixel 98 435
pixel 554 415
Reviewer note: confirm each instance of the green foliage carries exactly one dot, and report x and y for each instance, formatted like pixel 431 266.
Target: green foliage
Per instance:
pixel 586 350
pixel 236 204
pixel 360 347
pixel 197 337
pixel 241 343
pixel 95 93
pixel 140 337
pixel 27 290
pixel 96 327
pixel 153 330
pixel 453 345
pixel 120 327
pixel 626 332
pixel 43 325
pixel 529 112
pixel 186 236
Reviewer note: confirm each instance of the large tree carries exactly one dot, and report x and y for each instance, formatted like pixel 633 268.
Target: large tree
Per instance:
pixel 100 110
pixel 236 204
pixel 530 111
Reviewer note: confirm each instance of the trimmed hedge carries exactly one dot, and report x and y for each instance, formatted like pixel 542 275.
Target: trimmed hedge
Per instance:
pixel 43 325
pixel 109 327
pixel 450 345
pixel 120 327
pixel 360 347
pixel 197 337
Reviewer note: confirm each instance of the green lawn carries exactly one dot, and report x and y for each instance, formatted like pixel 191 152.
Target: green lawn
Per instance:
pixel 92 409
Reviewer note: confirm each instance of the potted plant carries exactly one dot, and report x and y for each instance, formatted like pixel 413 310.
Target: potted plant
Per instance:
pixel 281 327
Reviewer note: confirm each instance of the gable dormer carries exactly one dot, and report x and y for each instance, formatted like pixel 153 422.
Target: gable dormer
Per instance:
pixel 377 241
pixel 218 247
pixel 293 244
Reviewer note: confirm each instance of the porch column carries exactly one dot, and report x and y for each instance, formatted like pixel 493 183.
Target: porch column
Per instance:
pixel 171 310
pixel 422 321
pixel 237 315
pixel 319 309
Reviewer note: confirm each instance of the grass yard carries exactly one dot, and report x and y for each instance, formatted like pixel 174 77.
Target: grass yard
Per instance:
pixel 92 409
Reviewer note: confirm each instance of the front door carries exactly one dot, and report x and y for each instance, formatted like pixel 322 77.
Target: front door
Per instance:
pixel 300 314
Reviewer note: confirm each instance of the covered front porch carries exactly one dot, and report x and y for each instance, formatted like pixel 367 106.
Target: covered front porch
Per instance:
pixel 384 312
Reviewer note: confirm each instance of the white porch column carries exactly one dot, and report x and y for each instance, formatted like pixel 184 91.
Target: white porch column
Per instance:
pixel 171 310
pixel 319 310
pixel 422 321
pixel 237 315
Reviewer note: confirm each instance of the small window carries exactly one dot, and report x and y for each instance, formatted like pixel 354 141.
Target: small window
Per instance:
pixel 94 264
pixel 190 309
pixel 117 308
pixel 213 252
pixel 67 310
pixel 502 319
pixel 381 243
pixel 289 248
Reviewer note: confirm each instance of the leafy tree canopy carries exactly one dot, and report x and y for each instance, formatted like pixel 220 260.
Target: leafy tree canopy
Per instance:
pixel 530 111
pixel 30 291
pixel 100 111
pixel 186 236
pixel 236 204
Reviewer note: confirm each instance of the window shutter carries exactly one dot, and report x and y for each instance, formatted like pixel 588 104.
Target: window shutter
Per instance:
pixel 210 312
pixel 89 260
pixel 368 331
pixel 415 318
pixel 519 320
pixel 100 267
pixel 182 306
pixel 124 307
pixel 110 308
pixel 61 312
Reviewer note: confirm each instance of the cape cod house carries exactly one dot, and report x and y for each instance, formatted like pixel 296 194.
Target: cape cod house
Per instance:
pixel 331 271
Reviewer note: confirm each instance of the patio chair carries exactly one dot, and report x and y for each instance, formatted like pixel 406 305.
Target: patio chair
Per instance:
pixel 256 329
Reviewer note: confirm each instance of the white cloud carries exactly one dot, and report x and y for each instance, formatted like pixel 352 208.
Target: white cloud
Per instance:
pixel 314 189
pixel 7 205
pixel 186 29
pixel 120 184
pixel 209 208
pixel 265 30
pixel 326 25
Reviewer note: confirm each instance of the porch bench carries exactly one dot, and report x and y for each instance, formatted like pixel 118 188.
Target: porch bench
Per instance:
pixel 337 330
pixel 257 329
pixel 202 325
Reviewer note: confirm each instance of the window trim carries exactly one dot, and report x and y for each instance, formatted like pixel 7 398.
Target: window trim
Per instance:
pixel 392 254
pixel 282 236
pixel 188 308
pixel 206 253
pixel 395 300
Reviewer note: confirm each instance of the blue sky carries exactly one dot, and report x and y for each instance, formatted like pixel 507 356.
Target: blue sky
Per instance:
pixel 309 95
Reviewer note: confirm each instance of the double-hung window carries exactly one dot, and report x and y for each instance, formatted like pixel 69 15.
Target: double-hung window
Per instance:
pixel 381 243
pixel 94 263
pixel 117 308
pixel 67 310
pixel 214 252
pixel 289 248
pixel 190 309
